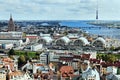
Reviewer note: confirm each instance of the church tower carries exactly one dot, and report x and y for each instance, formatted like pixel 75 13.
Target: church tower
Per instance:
pixel 11 25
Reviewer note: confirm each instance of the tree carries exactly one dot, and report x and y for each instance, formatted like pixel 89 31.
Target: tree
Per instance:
pixel 11 52
pixel 27 56
pixel 11 56
pixel 21 60
pixel 107 57
pixel 112 48
pixel 99 56
pixel 112 58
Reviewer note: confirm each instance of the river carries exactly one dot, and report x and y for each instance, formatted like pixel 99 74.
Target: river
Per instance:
pixel 92 29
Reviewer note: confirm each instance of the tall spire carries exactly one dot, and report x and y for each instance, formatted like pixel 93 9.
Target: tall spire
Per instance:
pixel 10 15
pixel 96 14
pixel 11 25
pixel 97 11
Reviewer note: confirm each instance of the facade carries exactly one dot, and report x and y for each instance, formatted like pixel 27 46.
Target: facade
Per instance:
pixel 37 66
pixel 69 61
pixel 73 36
pixel 27 66
pixel 11 34
pixel 7 46
pixel 36 47
pixel 32 37
pixel 15 42
pixel 44 35
pixel 54 57
pixel 16 75
pixel 45 58
pixel 93 54
pixel 11 25
pixel 2 75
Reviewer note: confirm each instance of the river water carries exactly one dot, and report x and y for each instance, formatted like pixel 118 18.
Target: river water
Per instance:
pixel 92 29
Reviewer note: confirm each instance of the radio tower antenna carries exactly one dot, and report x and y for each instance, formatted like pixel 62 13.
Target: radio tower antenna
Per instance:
pixel 97 14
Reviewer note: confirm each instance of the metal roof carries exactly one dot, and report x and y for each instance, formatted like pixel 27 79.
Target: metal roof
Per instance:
pixel 84 40
pixel 47 39
pixel 101 39
pixel 65 39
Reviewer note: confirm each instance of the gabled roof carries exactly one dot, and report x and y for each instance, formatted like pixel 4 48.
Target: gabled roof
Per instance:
pixel 15 73
pixel 7 59
pixel 66 71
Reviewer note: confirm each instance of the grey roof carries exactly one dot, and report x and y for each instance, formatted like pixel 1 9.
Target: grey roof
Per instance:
pixel 65 39
pixel 47 39
pixel 45 24
pixel 101 39
pixel 84 40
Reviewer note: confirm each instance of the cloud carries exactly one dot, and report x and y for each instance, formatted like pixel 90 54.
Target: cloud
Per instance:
pixel 59 9
pixel 57 1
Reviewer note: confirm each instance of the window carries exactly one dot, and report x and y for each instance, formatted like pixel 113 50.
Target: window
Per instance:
pixel 11 77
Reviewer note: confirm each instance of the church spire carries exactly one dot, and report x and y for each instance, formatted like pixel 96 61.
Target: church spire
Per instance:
pixel 10 15
pixel 11 25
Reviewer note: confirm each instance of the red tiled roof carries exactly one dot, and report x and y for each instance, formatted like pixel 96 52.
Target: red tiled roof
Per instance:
pixel 66 71
pixel 6 59
pixel 15 73
pixel 11 65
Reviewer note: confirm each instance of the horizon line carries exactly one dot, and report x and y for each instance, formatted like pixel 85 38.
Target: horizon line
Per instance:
pixel 60 20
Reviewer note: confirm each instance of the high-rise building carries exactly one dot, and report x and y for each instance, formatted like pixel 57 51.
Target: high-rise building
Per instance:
pixel 11 25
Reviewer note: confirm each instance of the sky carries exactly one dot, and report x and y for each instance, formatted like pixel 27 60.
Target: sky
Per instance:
pixel 59 9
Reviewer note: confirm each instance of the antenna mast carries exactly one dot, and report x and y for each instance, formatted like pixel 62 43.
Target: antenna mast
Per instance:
pixel 97 16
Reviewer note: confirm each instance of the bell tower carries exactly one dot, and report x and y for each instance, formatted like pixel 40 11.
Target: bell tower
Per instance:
pixel 11 25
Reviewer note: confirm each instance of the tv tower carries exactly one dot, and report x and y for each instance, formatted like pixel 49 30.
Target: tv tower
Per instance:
pixel 97 14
